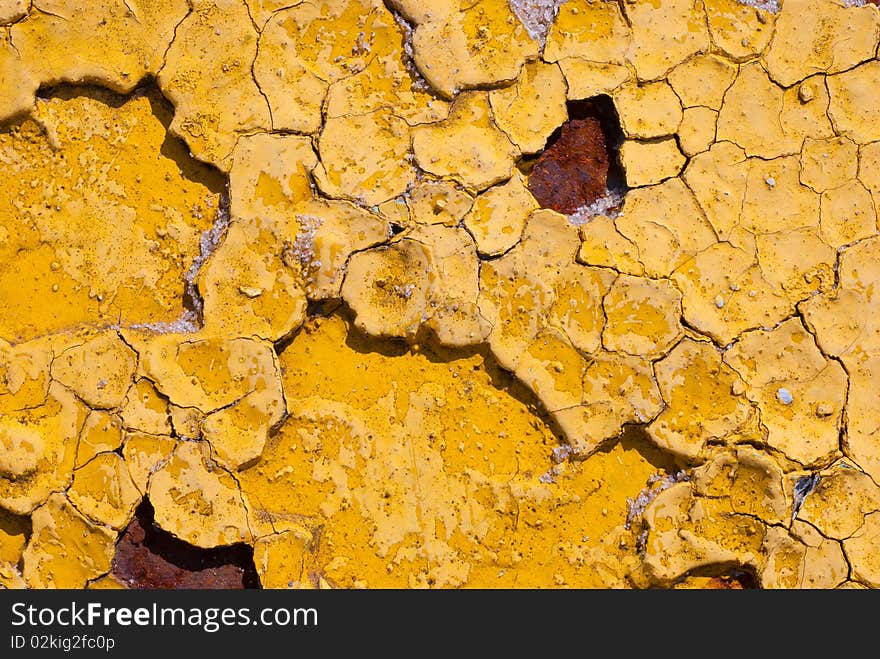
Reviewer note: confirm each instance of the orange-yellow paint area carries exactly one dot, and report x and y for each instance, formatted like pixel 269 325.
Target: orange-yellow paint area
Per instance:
pixel 276 271
pixel 422 483
pixel 100 221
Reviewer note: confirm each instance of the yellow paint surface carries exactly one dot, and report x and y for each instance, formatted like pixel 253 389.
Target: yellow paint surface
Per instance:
pixel 99 220
pixel 309 303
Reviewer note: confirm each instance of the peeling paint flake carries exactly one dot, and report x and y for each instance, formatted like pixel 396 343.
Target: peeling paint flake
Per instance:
pixel 439 294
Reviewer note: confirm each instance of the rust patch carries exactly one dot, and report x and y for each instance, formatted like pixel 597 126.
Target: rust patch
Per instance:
pixel 724 583
pixel 579 164
pixel 152 559
pixel 736 580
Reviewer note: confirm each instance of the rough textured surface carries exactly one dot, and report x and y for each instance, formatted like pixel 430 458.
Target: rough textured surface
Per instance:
pixel 467 146
pixel 149 558
pixel 573 170
pixel 532 108
pixel 59 268
pixel 365 294
pixel 65 550
pixel 468 44
pixel 196 500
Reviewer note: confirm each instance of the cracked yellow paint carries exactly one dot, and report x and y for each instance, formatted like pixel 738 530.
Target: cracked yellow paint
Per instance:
pixel 667 221
pixel 106 582
pixel 262 10
pixel 186 421
pixel 361 30
pixel 617 390
pixel 722 302
pixel 641 316
pixel 553 370
pixel 238 433
pixel 102 432
pixel 210 372
pixel 840 502
pixel 798 280
pixel 577 307
pixel 860 550
pixel 649 163
pixel 197 500
pixel 694 414
pixel 384 83
pixel 514 296
pixel 829 163
pixel 702 81
pixel 846 215
pixel 283 238
pixel 533 107
pixel 467 146
pixel 65 549
pixel 869 168
pixel 846 328
pixel 769 121
pixel 145 409
pixel 800 397
pixel 372 357
pixel 248 290
pixel 211 57
pixel 740 31
pixel 438 202
pixel 104 491
pixel 604 245
pixel 293 92
pixel 752 481
pixel 351 49
pixel 364 157
pixel 39 450
pixel 470 44
pixel 498 216
pixel 585 79
pixel 19 83
pixel 382 288
pixel 12 10
pixel 268 172
pixel 328 233
pixel 664 34
pixel 70 269
pixel 99 371
pixel 144 454
pixel 117 43
pixel 239 416
pixel 14 531
pixel 717 179
pixel 283 560
pixel 591 30
pixel 813 36
pixel 649 110
pixel 454 318
pixel 850 109
pixel 802 559
pixel 370 448
pixel 10 577
pixel 696 132
pixel 389 300
pixel 24 372
pixel 687 532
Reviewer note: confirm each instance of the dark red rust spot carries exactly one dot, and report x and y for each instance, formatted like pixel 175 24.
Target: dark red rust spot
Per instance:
pixel 572 172
pixel 152 559
pixel 724 583
pixel 579 164
pixel 736 580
